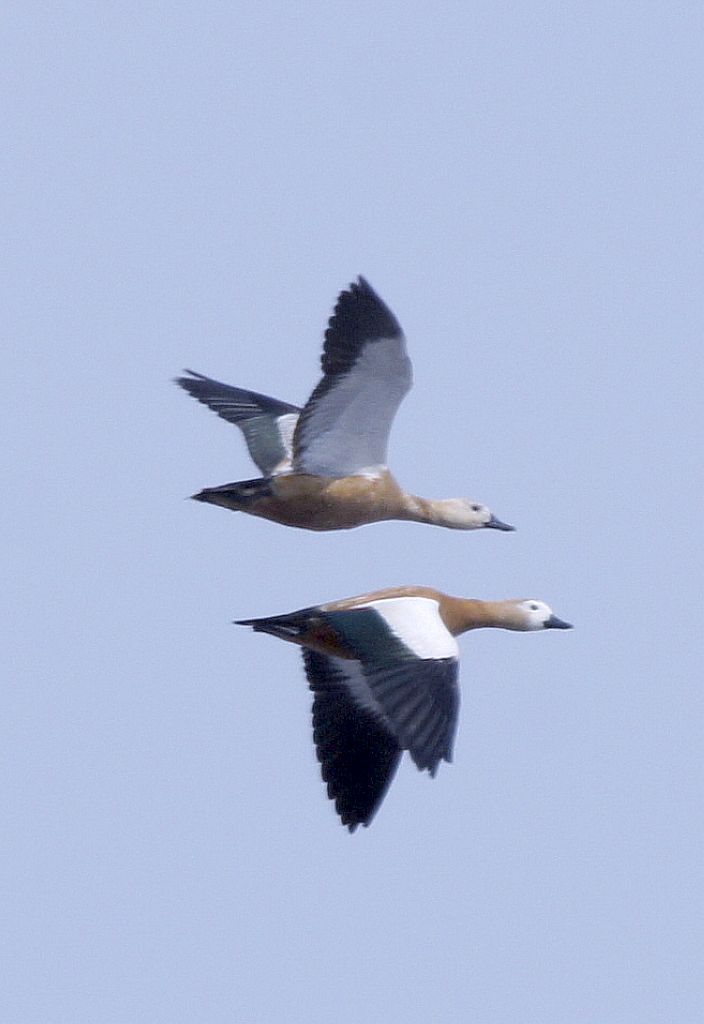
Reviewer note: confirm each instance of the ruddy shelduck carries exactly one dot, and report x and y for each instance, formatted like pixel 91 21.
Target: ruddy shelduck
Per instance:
pixel 383 668
pixel 324 465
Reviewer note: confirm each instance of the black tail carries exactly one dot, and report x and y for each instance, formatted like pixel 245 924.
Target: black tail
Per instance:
pixel 286 627
pixel 238 496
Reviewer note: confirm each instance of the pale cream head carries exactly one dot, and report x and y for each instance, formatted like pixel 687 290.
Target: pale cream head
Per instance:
pixel 465 514
pixel 529 614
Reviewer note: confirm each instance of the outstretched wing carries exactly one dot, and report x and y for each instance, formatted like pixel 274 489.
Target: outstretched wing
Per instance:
pixel 410 665
pixel 267 424
pixel 358 754
pixel 421 701
pixel 344 427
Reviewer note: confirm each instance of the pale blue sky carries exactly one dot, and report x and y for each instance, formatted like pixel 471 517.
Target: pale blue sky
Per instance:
pixel 191 185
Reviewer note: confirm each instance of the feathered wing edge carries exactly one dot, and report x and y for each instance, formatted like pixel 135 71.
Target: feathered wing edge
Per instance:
pixel 358 755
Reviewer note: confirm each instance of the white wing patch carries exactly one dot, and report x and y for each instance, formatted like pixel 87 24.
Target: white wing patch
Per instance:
pixel 286 426
pixel 417 624
pixel 346 430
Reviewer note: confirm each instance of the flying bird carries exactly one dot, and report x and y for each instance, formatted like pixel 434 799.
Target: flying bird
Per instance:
pixel 383 668
pixel 324 466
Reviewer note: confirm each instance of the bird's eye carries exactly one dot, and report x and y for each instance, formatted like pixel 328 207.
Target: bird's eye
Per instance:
pixel 476 508
pixel 533 607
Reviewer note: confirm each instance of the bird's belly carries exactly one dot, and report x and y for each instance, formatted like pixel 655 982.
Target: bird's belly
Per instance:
pixel 317 503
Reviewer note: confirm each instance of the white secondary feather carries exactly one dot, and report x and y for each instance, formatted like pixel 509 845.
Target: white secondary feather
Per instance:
pixel 346 430
pixel 417 624
pixel 286 426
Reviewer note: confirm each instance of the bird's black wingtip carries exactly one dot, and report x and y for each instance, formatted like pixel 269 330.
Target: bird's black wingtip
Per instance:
pixel 183 382
pixel 353 824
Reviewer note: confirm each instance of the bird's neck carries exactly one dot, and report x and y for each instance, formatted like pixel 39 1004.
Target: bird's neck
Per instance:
pixel 436 511
pixel 461 614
